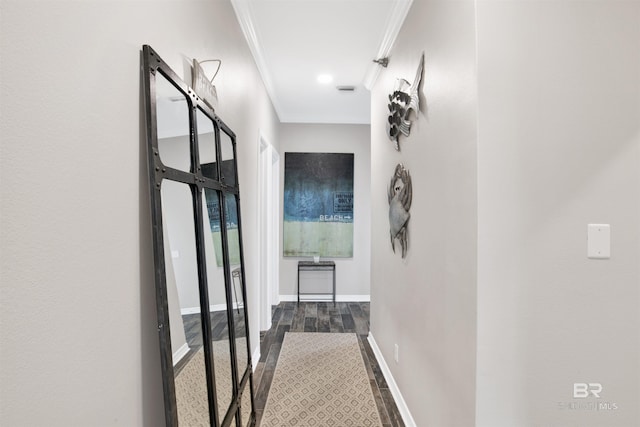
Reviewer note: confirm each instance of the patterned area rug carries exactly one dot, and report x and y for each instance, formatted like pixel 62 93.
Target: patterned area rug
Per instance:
pixel 320 380
pixel 191 393
pixel 191 385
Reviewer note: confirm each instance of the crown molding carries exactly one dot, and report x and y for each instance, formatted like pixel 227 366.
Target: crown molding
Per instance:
pixel 244 14
pixel 394 24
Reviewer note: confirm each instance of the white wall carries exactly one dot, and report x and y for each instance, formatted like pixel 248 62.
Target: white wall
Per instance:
pixel 352 274
pixel 559 147
pixel 426 303
pixel 78 323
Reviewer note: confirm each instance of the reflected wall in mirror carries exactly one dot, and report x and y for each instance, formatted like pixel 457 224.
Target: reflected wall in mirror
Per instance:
pixel 172 125
pixel 199 277
pixel 233 242
pixel 228 164
pixel 207 145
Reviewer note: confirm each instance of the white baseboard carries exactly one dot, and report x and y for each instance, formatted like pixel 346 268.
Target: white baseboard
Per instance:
pixel 180 353
pixel 212 308
pixel 391 382
pixel 189 310
pixel 323 297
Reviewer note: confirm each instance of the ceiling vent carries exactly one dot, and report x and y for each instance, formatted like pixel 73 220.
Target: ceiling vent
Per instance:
pixel 346 88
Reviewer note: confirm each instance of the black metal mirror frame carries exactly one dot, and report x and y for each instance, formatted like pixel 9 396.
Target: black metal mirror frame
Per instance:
pixel 197 182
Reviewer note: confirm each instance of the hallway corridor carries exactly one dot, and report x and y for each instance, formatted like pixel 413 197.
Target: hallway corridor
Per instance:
pixel 322 317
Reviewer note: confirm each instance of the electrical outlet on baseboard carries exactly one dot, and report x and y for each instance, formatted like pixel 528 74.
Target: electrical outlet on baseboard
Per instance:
pixel 395 353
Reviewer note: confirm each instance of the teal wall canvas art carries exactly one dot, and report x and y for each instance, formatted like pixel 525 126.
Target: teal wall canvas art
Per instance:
pixel 318 205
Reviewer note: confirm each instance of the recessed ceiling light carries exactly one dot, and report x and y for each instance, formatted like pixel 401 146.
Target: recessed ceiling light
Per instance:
pixel 325 78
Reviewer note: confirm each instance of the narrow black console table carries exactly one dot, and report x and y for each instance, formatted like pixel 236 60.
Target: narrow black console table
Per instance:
pixel 315 266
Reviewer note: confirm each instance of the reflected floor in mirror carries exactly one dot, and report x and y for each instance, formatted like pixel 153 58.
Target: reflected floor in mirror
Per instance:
pixel 191 386
pixel 219 327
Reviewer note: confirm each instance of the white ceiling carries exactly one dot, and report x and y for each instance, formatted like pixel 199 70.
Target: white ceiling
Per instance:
pixel 294 41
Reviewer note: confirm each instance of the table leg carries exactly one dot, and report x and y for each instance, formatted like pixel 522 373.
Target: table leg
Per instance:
pixel 334 285
pixel 298 285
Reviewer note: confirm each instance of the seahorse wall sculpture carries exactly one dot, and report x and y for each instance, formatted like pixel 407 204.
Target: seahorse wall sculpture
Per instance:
pixel 404 100
pixel 400 194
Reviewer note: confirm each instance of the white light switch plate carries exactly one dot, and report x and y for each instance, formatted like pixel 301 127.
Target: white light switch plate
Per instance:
pixel 599 241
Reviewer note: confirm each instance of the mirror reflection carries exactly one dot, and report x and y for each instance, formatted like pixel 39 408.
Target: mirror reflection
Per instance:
pixel 172 127
pixel 217 299
pixel 228 164
pixel 233 242
pixel 181 272
pixel 206 145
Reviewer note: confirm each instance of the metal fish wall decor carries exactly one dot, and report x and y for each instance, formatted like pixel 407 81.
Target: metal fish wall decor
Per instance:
pixel 400 194
pixel 404 100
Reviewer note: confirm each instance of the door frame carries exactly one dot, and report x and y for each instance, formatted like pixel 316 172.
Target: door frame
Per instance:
pixel 269 228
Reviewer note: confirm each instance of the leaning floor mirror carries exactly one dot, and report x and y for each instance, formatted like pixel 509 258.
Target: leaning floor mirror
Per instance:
pixel 198 255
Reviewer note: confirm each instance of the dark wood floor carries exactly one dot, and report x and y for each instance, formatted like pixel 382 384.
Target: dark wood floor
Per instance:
pixel 219 331
pixel 322 317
